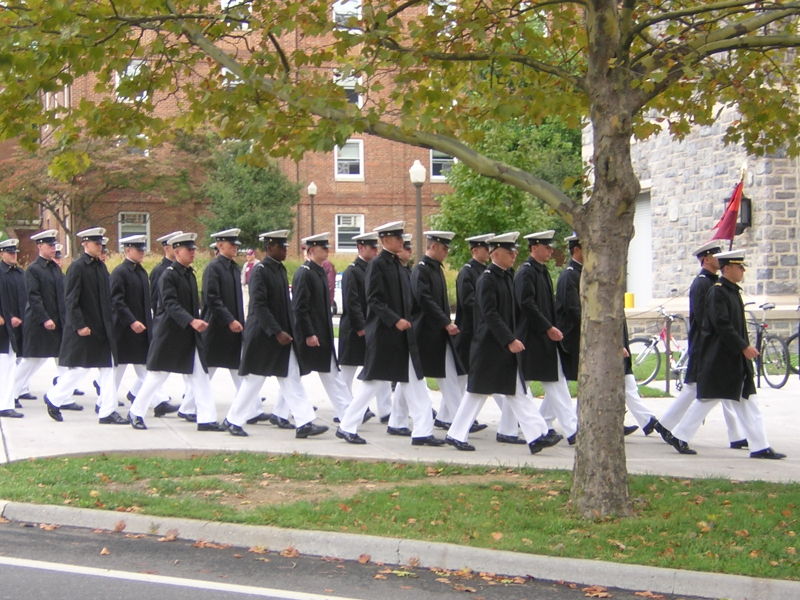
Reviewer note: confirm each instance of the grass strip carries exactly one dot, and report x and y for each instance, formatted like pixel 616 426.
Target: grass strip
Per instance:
pixel 745 528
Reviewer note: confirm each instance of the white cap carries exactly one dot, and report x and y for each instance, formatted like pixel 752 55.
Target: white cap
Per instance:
pixel 104 241
pixel 731 257
pixel 183 239
pixel 319 239
pixel 407 237
pixel 710 247
pixel 392 228
pixel 278 236
pixel 504 240
pixel 48 236
pixel 443 237
pixel 94 234
pixel 164 239
pixel 572 238
pixel 478 240
pixel 135 241
pixel 229 235
pixel 541 237
pixel 9 245
pixel 367 239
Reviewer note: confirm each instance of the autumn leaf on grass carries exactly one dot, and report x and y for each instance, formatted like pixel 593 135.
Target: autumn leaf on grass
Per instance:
pixel 596 591
pixel 364 559
pixel 497 536
pixel 742 533
pixel 170 536
pixel 290 552
pixel 617 544
pixel 344 508
pixel 647 594
pixel 105 552
pixel 703 527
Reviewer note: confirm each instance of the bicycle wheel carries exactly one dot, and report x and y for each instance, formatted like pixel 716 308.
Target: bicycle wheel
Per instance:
pixel 792 345
pixel 645 359
pixel 775 361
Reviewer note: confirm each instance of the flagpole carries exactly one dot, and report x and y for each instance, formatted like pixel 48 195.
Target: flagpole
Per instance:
pixel 741 180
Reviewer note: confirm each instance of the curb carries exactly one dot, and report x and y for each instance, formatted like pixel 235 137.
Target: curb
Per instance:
pixel 426 554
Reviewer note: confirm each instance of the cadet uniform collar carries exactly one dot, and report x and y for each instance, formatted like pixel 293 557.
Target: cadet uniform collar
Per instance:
pixel 180 268
pixel 729 284
pixel 432 261
pixel 312 265
pixel 89 259
pixel 709 274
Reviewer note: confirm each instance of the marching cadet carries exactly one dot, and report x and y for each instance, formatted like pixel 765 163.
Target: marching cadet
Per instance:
pixel 392 353
pixel 313 324
pixel 709 267
pixel 533 290
pixel 269 347
pixel 494 354
pixel 223 309
pixel 87 340
pixel 176 346
pixel 12 304
pixel 726 368
pixel 352 344
pixel 158 270
pixel 43 321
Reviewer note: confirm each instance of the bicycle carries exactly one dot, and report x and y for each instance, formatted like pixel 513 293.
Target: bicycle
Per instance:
pixel 793 349
pixel 772 362
pixel 646 351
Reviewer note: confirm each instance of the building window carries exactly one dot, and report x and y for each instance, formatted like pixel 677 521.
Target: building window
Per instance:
pixel 133 223
pixel 441 164
pixel 229 79
pixel 344 11
pixel 237 11
pixel 129 78
pixel 347 227
pixel 350 161
pixel 348 84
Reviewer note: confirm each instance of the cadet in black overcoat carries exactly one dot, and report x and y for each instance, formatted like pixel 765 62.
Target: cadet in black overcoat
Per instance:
pixel 568 309
pixel 14 294
pixel 158 270
pixel 353 323
pixel 267 347
pixel 88 340
pixel 223 309
pixel 533 291
pixel 726 371
pixel 391 345
pixel 130 303
pixel 494 356
pixel 465 295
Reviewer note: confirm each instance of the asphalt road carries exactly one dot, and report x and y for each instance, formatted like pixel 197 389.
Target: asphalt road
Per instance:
pixel 76 564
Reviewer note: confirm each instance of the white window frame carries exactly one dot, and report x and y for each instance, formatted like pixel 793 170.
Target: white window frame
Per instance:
pixel 134 228
pixel 226 5
pixel 441 159
pixel 229 79
pixel 358 221
pixel 349 83
pixel 349 176
pixel 132 70
pixel 343 10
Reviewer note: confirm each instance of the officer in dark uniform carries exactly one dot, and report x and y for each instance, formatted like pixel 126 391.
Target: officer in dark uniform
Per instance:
pixel 223 309
pixel 43 321
pixel 726 368
pixel 158 270
pixel 533 291
pixel 176 345
pixel 705 280
pixel 494 354
pixel 568 308
pixel 269 345
pixel 392 353
pixel 465 294
pixel 12 303
pixel 88 340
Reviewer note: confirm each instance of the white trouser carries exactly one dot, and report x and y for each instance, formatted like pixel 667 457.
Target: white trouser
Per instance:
pixel 558 403
pixel 247 403
pixel 508 424
pixel 747 411
pixel 188 406
pixel 206 409
pixel 415 392
pixel 683 401
pixel 398 417
pixel 26 367
pixel 383 400
pixel 61 393
pixel 450 387
pixel 281 408
pixel 336 388
pixel 634 402
pixel 141 373
pixel 235 377
pixel 521 404
pixel 8 365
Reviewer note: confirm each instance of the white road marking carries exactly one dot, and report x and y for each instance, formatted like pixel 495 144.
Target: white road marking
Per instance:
pixel 166 580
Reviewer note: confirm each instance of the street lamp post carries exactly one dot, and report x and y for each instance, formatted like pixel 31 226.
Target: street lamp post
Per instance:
pixel 417 175
pixel 312 191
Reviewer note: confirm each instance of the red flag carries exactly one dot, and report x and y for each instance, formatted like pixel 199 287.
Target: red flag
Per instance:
pixel 726 227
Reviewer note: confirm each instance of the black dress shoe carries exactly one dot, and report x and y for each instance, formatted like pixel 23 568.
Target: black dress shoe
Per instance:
pixel 164 408
pixel 767 453
pixel 113 419
pixel 428 440
pixel 650 426
pixel 629 429
pixel 350 438
pixel 665 433
pixel 53 410
pixel 309 429
pixel 11 414
pixel 459 445
pixel 538 444
pixel 77 392
pixel 476 427
pixel 263 417
pixel 130 397
pixel 191 417
pixel 281 422
pixel 96 387
pixel 572 439
pixel 441 424
pixel 26 396
pixel 509 439
pixel 337 420
pixel 681 446
pixel 368 414
pixel 136 422
pixel 212 426
pixel 551 438
pixel 17 403
pixel 71 406
pixel 385 419
pixel 234 429
pixel 403 431
pixel 739 444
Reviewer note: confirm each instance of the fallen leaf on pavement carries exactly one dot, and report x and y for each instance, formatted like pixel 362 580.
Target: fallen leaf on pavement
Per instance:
pixel 290 552
pixel 596 591
pixel 205 544
pixel 257 550
pixel 648 594
pixel 120 526
pixel 364 559
pixel 464 588
pixel 170 536
pixel 105 552
pixel 48 526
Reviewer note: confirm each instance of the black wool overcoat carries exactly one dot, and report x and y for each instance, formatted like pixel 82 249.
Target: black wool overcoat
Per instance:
pixel 466 283
pixel 44 281
pixel 533 291
pixel 130 302
pixel 222 304
pixel 568 317
pixel 14 298
pixel 155 292
pixel 697 308
pixel 353 347
pixel 312 316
